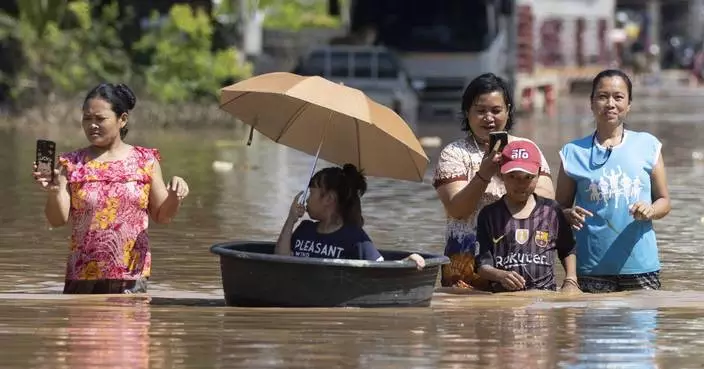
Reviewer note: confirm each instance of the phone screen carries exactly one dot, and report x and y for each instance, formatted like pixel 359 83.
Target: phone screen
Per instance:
pixel 499 136
pixel 46 157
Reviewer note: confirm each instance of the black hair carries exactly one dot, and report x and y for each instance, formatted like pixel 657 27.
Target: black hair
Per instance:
pixel 484 84
pixel 349 184
pixel 608 73
pixel 120 97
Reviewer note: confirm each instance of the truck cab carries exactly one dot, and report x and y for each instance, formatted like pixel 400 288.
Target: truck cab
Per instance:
pixel 443 44
pixel 374 70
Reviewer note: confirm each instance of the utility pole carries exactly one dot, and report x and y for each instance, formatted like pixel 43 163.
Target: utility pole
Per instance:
pixel 653 8
pixel 249 20
pixel 242 15
pixel 508 8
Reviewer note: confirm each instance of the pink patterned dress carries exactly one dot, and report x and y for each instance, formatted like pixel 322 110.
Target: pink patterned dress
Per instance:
pixel 109 215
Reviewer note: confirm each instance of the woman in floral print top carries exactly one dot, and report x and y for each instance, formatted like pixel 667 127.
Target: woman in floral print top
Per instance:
pixel 465 178
pixel 108 190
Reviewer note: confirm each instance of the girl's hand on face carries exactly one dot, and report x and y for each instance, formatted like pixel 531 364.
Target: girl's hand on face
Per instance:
pixel 297 209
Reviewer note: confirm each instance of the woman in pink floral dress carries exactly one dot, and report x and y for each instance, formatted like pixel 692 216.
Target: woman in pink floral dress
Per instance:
pixel 465 176
pixel 108 191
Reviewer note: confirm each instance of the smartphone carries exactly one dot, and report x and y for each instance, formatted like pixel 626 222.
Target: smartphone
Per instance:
pixel 46 157
pixel 498 136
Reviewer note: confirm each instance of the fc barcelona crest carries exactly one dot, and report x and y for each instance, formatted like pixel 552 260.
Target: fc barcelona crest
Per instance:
pixel 541 238
pixel 522 236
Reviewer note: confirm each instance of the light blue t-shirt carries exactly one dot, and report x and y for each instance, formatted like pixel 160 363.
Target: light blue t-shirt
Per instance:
pixel 612 242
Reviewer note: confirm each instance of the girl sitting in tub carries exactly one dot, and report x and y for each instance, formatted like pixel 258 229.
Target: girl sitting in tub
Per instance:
pixel 336 229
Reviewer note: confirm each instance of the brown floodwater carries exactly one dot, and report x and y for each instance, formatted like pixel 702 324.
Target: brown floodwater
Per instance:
pixel 186 325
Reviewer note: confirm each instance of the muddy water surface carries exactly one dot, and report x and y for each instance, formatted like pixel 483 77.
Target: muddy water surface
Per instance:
pixel 184 325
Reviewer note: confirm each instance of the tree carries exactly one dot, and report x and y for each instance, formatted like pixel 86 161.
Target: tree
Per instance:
pixel 297 14
pixel 182 64
pixel 283 14
pixel 62 50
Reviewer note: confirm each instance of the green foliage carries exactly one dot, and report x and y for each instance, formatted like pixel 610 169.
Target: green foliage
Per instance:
pixel 91 52
pixel 182 64
pixel 37 13
pixel 62 49
pixel 297 14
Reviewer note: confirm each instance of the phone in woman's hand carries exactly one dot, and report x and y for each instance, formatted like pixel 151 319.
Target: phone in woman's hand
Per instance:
pixel 498 136
pixel 46 158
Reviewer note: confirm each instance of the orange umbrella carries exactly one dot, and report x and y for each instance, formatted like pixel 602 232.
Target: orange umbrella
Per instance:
pixel 337 123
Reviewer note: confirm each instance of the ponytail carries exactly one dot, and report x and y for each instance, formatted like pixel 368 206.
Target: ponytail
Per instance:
pixel 349 184
pixel 351 205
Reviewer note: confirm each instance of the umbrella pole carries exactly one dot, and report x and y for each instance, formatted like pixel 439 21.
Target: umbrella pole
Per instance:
pixel 302 199
pixel 251 130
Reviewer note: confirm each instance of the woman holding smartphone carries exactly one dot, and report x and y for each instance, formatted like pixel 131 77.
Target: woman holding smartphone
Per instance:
pixel 465 176
pixel 108 190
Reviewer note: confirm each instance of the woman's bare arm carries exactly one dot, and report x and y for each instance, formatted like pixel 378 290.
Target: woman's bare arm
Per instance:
pixel 58 202
pixel 163 205
pixel 461 198
pixel 660 192
pixel 566 188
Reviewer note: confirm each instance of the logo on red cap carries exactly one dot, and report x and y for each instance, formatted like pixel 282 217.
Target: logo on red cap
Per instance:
pixel 522 156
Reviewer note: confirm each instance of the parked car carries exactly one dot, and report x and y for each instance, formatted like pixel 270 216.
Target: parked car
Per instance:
pixel 374 70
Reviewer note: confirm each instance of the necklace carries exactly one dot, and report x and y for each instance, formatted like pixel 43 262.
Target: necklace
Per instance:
pixel 476 144
pixel 609 149
pixel 479 149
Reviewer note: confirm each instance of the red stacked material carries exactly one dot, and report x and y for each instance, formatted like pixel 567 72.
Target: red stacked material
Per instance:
pixel 551 43
pixel 525 45
pixel 579 42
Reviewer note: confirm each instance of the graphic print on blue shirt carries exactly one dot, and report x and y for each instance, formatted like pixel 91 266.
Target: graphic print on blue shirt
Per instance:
pixel 348 242
pixel 612 241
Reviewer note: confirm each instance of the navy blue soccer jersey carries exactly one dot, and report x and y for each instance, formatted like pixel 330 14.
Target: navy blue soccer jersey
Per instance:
pixel 525 246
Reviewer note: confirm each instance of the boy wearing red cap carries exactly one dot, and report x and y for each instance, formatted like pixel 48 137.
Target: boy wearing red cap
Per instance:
pixel 519 234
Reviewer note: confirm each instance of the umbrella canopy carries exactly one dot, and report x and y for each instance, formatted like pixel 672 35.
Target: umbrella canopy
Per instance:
pixel 303 112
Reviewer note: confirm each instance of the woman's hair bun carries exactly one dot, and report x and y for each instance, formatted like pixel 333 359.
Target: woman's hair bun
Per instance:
pixel 127 95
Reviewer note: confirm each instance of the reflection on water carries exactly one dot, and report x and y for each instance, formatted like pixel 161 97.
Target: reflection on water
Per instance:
pixel 186 324
pixel 117 336
pixel 128 332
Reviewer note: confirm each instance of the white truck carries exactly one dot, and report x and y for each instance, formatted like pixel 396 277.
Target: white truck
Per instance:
pixel 376 71
pixel 445 44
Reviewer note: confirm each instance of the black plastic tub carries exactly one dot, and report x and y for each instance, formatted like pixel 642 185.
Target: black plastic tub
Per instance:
pixel 253 276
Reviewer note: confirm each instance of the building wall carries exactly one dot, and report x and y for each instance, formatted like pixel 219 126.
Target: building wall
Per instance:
pixel 695 20
pixel 571 32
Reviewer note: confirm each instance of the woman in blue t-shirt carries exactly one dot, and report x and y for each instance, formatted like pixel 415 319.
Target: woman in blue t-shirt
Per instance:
pixel 336 229
pixel 612 184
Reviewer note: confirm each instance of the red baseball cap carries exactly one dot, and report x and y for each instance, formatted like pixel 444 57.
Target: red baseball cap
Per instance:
pixel 521 156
